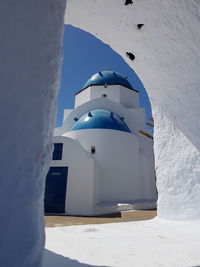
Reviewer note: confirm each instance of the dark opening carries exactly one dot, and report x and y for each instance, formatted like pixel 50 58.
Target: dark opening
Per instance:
pixel 93 149
pixel 127 2
pixel 104 95
pixel 130 55
pixel 139 26
pixel 57 152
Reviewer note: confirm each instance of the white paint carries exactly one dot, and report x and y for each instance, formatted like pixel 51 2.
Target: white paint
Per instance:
pixel 82 97
pixel 167 60
pixel 139 113
pixel 120 175
pixel 143 243
pixel 175 151
pixel 112 92
pixel 117 93
pixel 118 155
pixel 30 54
pixel 128 98
pixel 119 179
pixel 79 196
pixel 66 113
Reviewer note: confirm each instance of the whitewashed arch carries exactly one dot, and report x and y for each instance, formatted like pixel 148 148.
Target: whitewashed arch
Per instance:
pixel 167 60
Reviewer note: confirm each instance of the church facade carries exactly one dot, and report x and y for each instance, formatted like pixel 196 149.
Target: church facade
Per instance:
pixel 102 163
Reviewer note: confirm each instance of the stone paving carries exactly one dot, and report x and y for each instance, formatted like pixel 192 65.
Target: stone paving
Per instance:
pixel 126 216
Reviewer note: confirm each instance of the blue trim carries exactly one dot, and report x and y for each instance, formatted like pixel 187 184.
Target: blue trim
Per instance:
pixel 100 119
pixel 57 152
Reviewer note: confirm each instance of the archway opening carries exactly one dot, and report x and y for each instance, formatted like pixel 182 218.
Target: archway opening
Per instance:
pixel 84 55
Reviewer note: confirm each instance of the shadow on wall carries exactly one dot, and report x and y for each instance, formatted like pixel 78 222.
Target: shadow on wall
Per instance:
pixel 52 259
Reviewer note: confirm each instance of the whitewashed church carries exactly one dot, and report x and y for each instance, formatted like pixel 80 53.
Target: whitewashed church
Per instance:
pixel 102 163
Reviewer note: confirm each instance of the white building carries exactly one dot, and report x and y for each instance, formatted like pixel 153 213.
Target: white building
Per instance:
pixel 101 161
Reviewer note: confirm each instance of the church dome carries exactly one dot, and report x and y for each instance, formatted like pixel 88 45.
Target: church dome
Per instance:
pixel 107 77
pixel 100 119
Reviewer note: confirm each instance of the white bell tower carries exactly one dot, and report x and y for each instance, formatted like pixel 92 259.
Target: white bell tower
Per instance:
pixel 111 85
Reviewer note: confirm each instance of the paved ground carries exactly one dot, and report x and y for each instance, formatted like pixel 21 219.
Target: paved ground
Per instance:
pixel 127 216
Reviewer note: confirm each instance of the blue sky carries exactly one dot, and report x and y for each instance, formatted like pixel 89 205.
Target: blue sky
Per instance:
pixel 84 55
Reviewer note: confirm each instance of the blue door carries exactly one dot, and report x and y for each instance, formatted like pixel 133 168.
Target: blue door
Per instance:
pixel 55 190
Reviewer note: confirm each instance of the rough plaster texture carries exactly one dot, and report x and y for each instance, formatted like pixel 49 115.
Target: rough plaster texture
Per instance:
pixel 167 60
pixel 30 47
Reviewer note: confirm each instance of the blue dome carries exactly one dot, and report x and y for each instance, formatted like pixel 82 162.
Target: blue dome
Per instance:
pixel 100 119
pixel 107 77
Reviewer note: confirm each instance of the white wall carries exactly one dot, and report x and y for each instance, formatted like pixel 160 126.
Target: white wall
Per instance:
pixel 83 97
pixel 96 189
pixel 117 155
pixel 129 98
pixel 167 60
pixel 66 113
pixel 112 92
pixel 80 180
pixel 182 193
pixel 117 93
pixel 147 166
pixel 30 55
pixel 139 116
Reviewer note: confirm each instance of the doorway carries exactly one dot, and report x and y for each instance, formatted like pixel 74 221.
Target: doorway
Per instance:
pixel 55 190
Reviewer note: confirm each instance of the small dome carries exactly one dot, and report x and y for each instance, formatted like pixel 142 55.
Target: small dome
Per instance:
pixel 107 77
pixel 100 119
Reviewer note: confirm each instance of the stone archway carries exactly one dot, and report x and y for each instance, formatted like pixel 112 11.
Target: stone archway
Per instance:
pixel 164 52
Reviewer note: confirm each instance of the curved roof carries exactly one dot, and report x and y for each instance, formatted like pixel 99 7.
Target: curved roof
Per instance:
pixel 107 77
pixel 100 119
